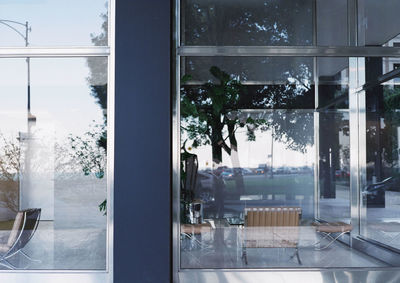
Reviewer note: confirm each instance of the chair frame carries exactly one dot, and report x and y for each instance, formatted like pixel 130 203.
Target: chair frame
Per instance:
pixel 20 243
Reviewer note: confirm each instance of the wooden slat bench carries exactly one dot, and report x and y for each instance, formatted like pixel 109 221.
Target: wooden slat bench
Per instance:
pixel 271 227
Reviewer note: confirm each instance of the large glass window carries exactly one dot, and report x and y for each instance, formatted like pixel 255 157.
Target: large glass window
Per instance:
pixel 53 157
pixel 54 120
pixel 257 134
pixel 288 156
pixel 381 138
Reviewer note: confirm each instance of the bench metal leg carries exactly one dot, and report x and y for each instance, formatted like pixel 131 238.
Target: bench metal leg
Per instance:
pixel 244 255
pixel 296 253
pixel 324 237
pixel 333 239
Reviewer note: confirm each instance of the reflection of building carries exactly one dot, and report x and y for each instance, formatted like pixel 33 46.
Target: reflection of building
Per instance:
pixel 390 64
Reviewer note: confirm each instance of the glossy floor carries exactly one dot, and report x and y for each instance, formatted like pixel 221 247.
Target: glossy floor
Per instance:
pixel 76 238
pixel 222 249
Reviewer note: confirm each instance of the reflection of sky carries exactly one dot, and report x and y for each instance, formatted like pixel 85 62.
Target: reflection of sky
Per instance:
pixel 60 95
pixel 253 153
pixel 53 22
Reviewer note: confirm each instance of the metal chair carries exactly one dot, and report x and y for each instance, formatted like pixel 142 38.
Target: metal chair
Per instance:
pixel 24 227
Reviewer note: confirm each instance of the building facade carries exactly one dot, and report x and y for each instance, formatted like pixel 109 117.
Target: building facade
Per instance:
pixel 200 141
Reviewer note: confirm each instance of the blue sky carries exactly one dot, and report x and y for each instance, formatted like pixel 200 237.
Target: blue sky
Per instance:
pixel 53 22
pixel 60 94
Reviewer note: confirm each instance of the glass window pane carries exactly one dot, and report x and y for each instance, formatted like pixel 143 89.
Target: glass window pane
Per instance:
pixel 333 87
pixel 332 29
pixel 255 22
pixel 53 158
pixel 381 191
pixel 55 22
pixel 334 166
pixel 255 152
pixel 381 23
pixel 261 78
pixel 334 139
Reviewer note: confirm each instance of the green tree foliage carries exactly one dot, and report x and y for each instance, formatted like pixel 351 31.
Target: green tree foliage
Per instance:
pixel 98 77
pixel 391 115
pixel 10 165
pixel 89 154
pixel 97 80
pixel 244 23
pixel 212 113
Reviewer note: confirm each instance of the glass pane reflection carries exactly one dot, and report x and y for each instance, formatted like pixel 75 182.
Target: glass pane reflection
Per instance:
pixel 252 138
pixel 382 28
pixel 275 23
pixel 54 159
pixel 247 129
pixel 334 166
pixel 55 22
pixel 381 190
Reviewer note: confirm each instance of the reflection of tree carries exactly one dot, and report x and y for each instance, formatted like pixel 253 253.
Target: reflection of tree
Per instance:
pixel 10 165
pixel 206 115
pixel 98 84
pixel 211 113
pixel 98 77
pixel 248 22
pixel 387 129
pixel 63 161
pixel 205 112
pixel 90 155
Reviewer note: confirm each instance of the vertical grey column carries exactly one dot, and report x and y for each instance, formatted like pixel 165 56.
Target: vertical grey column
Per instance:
pixel 142 205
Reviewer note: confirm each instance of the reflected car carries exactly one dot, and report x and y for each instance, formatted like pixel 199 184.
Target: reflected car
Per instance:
pixel 238 171
pixel 342 174
pixel 205 188
pixel 227 175
pixel 259 171
pixel 247 171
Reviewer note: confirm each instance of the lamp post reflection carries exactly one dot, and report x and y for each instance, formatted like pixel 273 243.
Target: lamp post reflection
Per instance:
pixel 10 24
pixel 31 119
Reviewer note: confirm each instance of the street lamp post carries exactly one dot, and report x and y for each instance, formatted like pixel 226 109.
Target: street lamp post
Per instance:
pixel 26 180
pixel 25 36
